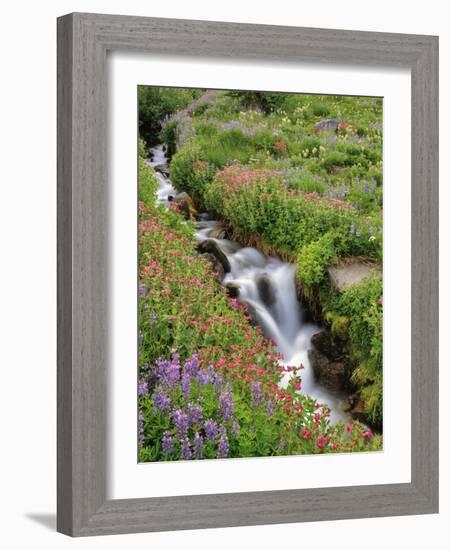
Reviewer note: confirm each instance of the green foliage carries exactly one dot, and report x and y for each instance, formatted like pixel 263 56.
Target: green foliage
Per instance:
pixel 335 159
pixel 168 135
pixel 320 109
pixel 306 182
pixel 362 303
pixel 226 146
pixel 156 103
pixel 266 101
pixel 314 258
pixel 189 172
pixel 142 149
pixel 340 327
pixel 148 184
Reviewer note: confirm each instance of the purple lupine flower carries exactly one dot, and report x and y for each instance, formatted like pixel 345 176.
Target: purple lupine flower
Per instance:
pixel 186 453
pixel 168 372
pixel 142 387
pixel 218 381
pixel 141 428
pixel 235 428
pixel 181 422
pixel 186 385
pixel 224 445
pixel 142 290
pixel 161 402
pixel 226 404
pixel 167 443
pixel 205 376
pixel 211 429
pixel 256 393
pixel 198 446
pixel 191 365
pixel 195 413
pixel 269 410
pixel 141 337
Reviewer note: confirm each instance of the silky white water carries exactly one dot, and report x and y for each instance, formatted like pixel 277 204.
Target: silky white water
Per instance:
pixel 283 317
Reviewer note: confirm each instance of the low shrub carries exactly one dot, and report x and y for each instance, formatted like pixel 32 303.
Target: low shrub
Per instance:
pixel 320 109
pixel 314 258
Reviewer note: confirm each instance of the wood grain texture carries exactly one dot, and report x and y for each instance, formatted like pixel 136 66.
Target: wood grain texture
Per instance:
pixel 83 40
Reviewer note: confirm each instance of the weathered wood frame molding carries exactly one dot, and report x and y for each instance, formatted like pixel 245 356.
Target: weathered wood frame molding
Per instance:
pixel 83 41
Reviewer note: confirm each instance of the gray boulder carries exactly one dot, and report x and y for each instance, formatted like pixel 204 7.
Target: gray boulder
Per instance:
pixel 330 125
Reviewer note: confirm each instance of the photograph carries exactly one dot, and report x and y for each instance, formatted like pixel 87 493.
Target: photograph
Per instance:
pixel 260 274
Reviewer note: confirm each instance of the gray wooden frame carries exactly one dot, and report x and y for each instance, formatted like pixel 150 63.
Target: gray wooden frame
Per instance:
pixel 83 40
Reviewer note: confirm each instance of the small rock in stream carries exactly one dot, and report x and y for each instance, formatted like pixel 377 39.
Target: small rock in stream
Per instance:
pixel 163 169
pixel 218 233
pixel 217 267
pixel 211 247
pixel 265 289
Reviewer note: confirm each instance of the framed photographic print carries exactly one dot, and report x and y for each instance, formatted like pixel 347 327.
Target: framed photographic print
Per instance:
pixel 247 329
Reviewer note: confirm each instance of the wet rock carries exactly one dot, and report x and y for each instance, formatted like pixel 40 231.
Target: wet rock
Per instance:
pixel 323 342
pixel 202 224
pixel 330 124
pixel 331 374
pixel 356 406
pixel 211 247
pixel 329 362
pixel 358 409
pixel 217 267
pixel 204 217
pixel 218 233
pixel 163 169
pixel 182 197
pixel 265 289
pixel 233 289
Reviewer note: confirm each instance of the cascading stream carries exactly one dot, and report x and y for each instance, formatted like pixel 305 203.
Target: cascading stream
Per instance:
pixel 267 285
